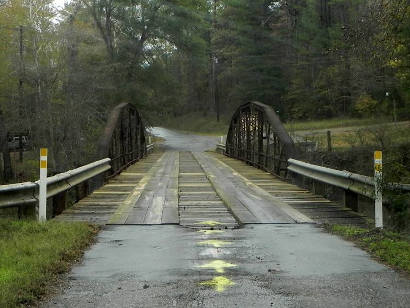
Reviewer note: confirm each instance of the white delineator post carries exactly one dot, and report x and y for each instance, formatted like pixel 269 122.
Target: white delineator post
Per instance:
pixel 42 197
pixel 222 140
pixel 378 190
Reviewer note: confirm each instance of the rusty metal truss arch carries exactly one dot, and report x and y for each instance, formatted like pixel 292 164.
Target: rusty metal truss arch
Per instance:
pixel 123 139
pixel 256 135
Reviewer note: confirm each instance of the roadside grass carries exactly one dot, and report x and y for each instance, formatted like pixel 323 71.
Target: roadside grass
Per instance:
pixel 333 123
pixel 199 124
pixel 390 248
pixel 32 254
pixel 382 137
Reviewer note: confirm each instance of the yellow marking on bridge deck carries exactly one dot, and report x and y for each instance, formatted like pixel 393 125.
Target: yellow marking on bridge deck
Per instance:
pixel 215 243
pixel 121 215
pixel 208 223
pixel 219 283
pixel 218 265
pixel 207 232
pixel 105 203
pixel 294 214
pixel 304 205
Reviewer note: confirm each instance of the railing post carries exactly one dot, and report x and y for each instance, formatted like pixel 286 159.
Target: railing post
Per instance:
pixel 378 189
pixel 318 188
pixel 59 203
pixel 42 207
pixel 82 190
pixel 351 200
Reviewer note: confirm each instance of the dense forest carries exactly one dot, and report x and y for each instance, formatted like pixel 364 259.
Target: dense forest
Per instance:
pixel 62 71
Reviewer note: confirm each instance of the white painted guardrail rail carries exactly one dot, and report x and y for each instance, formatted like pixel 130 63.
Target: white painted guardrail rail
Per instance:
pixel 357 183
pixel 352 184
pixel 27 193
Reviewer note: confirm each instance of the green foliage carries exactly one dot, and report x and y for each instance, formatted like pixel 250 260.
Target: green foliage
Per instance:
pixel 308 59
pixel 389 247
pixel 32 254
pixel 366 106
pixel 333 123
pixel 198 123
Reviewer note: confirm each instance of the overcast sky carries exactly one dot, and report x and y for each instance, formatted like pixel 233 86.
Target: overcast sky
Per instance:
pixel 59 3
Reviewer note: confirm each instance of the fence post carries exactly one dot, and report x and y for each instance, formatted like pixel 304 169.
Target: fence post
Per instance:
pixel 42 200
pixel 329 141
pixel 378 190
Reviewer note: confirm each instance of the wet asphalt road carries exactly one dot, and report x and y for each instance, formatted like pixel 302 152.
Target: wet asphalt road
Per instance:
pixel 270 265
pixel 264 265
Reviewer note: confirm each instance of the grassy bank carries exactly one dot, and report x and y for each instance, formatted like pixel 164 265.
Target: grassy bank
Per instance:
pixel 333 123
pixel 390 248
pixel 198 123
pixel 32 254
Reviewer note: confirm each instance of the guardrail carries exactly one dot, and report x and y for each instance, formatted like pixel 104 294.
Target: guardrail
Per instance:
pixel 357 183
pixel 24 194
pixel 150 148
pixel 220 148
pixel 352 184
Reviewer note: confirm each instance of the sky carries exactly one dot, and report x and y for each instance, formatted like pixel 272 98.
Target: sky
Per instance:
pixel 59 3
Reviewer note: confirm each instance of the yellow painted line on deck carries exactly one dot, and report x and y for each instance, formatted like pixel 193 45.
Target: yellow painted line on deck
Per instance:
pixel 215 243
pixel 208 232
pixel 290 211
pixel 218 265
pixel 211 223
pixel 120 185
pixel 219 283
pixel 121 215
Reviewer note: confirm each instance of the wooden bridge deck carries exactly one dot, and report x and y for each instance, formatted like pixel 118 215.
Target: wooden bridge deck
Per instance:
pixel 203 190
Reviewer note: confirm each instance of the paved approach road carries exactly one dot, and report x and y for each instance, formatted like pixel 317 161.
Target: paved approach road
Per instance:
pixel 258 265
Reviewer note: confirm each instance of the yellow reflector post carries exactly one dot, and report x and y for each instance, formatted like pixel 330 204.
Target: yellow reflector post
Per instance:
pixel 43 164
pixel 378 155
